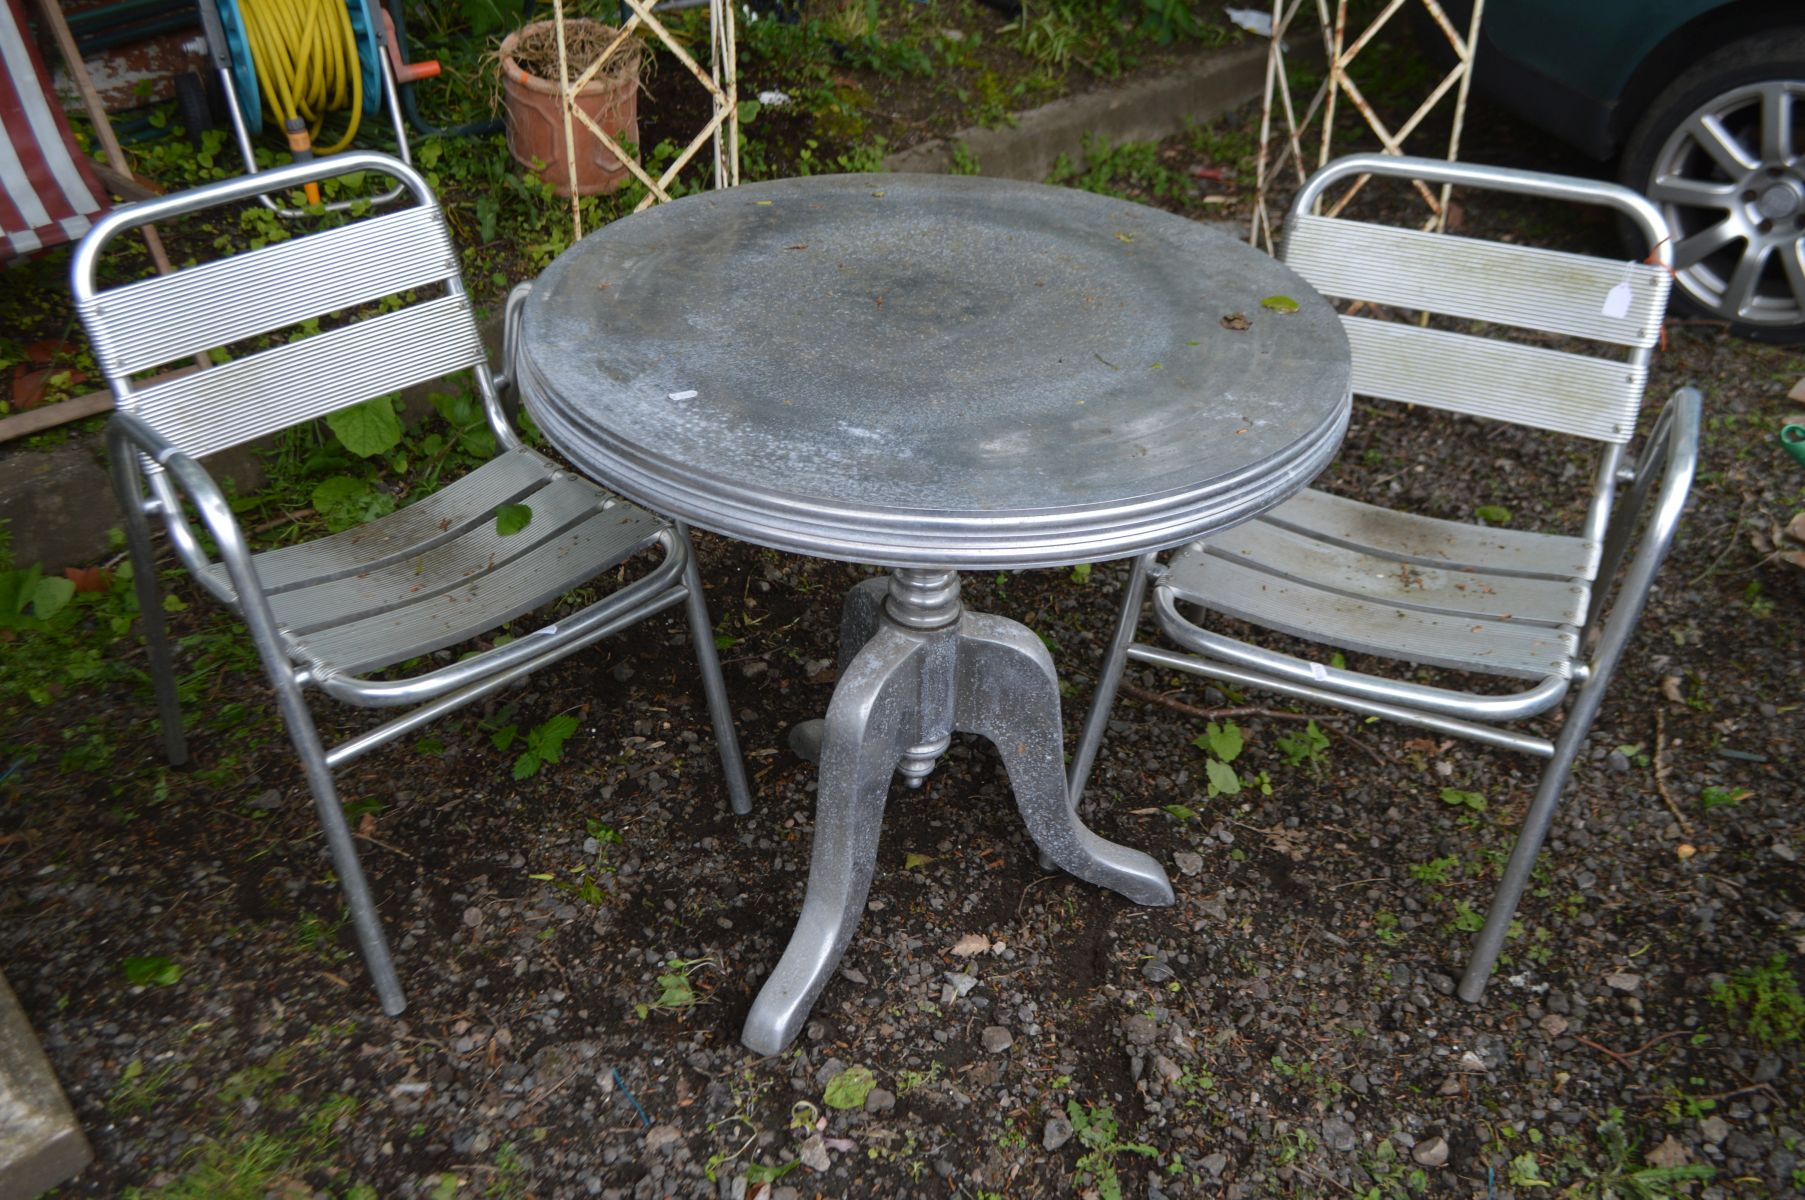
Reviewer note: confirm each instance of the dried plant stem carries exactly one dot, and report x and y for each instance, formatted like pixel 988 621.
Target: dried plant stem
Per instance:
pixel 567 103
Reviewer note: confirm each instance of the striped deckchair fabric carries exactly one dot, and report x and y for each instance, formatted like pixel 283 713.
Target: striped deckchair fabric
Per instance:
pixel 49 193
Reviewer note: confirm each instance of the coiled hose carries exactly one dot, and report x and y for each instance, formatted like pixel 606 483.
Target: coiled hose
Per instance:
pixel 305 52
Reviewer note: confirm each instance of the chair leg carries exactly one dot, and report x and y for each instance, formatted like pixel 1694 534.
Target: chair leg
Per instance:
pixel 701 632
pixel 1490 942
pixel 150 603
pixel 364 917
pixel 1109 678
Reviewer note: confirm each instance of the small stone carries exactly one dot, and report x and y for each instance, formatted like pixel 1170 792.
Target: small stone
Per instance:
pixel 1188 863
pixel 1785 853
pixel 1742 1147
pixel 997 1039
pixel 267 800
pixel 814 1154
pixel 1338 1135
pixel 1157 971
pixel 957 984
pixel 1057 1133
pixel 473 917
pixel 1623 981
pixel 880 1100
pixel 827 1071
pixel 1166 1069
pixel 1472 1063
pixel 1215 1164
pixel 660 1137
pixel 1714 1129
pixel 1553 1025
pixel 1139 1030
pixel 1431 1152
pixel 1618 762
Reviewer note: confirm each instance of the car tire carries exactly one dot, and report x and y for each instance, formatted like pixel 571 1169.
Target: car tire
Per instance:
pixel 1721 152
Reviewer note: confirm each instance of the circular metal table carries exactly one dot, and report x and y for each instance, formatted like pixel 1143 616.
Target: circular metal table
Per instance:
pixel 931 373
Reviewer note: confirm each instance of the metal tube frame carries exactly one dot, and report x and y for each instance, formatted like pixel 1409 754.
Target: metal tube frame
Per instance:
pixel 153 477
pixel 1669 458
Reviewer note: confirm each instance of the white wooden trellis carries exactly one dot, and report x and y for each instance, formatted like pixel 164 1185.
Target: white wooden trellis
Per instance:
pixel 1339 51
pixel 720 81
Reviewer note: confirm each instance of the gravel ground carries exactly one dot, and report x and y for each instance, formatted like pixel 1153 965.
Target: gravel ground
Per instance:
pixel 580 948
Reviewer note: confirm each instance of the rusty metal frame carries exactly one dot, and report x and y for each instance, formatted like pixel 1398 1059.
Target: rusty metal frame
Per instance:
pixel 1338 53
pixel 721 81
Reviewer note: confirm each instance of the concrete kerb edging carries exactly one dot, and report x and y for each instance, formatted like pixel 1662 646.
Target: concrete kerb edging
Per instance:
pixel 41 1145
pixel 1145 110
pixel 60 502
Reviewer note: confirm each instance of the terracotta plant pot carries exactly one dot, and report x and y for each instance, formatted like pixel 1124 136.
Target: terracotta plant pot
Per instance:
pixel 536 126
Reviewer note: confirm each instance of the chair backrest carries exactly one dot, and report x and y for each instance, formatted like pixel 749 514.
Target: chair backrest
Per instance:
pixel 403 258
pixel 48 193
pixel 1615 305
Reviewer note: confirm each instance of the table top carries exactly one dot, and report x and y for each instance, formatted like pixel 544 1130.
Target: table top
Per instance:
pixel 913 370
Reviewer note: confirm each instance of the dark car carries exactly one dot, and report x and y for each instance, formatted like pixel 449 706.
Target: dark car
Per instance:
pixel 1702 104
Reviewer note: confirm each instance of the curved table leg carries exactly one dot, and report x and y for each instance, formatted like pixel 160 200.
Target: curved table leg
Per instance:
pixel 860 613
pixel 1008 691
pixel 872 720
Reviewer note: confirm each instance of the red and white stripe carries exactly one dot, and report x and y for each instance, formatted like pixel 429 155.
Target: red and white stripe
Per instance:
pixel 48 193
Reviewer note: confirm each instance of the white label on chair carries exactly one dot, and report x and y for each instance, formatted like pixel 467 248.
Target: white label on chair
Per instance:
pixel 1617 300
pixel 691 395
pixel 1319 673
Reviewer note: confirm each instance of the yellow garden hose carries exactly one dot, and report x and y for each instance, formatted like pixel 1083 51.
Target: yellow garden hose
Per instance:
pixel 305 52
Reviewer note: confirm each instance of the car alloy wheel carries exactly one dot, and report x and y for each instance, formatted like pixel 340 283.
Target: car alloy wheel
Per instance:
pixel 1730 181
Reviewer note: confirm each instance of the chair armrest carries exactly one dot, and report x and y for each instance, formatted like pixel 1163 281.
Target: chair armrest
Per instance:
pixel 502 402
pixel 127 434
pixel 1670 459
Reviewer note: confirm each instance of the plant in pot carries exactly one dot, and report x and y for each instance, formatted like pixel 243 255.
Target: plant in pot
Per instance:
pixel 530 95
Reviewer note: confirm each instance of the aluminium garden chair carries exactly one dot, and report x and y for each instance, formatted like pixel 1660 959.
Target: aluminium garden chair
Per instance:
pixel 1535 608
pixel 334 614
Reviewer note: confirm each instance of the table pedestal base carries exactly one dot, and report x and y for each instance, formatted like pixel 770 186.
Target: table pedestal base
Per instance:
pixel 928 669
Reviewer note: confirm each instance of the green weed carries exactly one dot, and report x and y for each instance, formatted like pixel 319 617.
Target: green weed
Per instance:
pixel 676 993
pixel 1764 1002
pixel 1309 745
pixel 1096 1128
